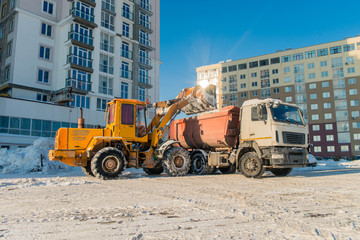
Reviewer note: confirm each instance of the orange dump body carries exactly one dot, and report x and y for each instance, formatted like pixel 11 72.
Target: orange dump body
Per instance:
pixel 208 131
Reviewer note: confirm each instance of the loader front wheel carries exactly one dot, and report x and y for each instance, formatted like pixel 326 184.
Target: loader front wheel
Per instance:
pixel 176 161
pixel 108 163
pixel 87 170
pixel 251 165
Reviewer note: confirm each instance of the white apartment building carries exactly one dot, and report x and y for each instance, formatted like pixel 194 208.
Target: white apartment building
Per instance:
pixel 58 56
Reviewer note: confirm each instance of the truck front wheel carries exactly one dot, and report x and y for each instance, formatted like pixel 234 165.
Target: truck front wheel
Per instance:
pixel 251 165
pixel 108 163
pixel 199 164
pixel 281 172
pixel 176 161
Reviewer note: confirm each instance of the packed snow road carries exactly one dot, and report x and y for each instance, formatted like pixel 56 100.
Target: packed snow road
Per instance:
pixel 308 204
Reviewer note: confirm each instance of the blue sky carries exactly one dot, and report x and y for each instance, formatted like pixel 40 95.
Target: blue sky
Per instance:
pixel 194 33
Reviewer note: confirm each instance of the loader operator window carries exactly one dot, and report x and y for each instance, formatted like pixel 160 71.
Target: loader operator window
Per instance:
pixel 127 114
pixel 140 121
pixel 111 114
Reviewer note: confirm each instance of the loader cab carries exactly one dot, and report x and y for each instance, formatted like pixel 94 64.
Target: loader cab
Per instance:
pixel 126 118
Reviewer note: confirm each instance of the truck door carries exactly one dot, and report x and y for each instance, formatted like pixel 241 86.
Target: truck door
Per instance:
pixel 127 126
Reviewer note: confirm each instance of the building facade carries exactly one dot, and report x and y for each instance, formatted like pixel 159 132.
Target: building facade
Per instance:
pixel 322 80
pixel 59 56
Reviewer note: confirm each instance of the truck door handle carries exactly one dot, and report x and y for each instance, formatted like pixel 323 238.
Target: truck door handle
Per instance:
pixel 252 134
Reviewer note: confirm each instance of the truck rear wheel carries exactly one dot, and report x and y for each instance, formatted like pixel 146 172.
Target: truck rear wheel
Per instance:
pixel 176 161
pixel 199 164
pixel 108 163
pixel 251 165
pixel 154 171
pixel 281 172
pixel 87 170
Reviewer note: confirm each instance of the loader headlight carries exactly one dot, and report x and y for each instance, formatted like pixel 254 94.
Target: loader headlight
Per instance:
pixel 277 156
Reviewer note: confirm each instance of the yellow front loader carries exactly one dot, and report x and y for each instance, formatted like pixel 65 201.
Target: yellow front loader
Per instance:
pixel 127 140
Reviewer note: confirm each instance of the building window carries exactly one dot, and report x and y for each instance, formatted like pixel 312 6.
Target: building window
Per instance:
pixel 324 74
pixel 84 11
pixel 224 97
pixel 108 5
pixel 141 94
pixel 275 60
pixel 144 38
pixel 224 70
pixel 11 25
pixel 325 84
pixel 352 81
pixel 43 76
pixel 48 7
pixel 80 101
pixel 288 99
pixel 349 60
pixel 105 85
pixel 242 76
pixel 242 66
pixel 311 65
pixel 326 94
pixel 243 85
pixel 106 64
pixel 7 73
pixel 315 117
pixel 312 86
pixel 126 29
pixel 355 114
pixel 233 88
pixel 144 58
pixel 276 90
pixel 313 96
pixel 253 64
pixel 275 81
pixel 330 148
pixel 124 90
pixel 349 47
pixel 316 138
pixel 356 136
pixel 323 63
pixel 233 97
pixel 314 106
pixel 264 62
pixel 329 126
pixel 41 97
pixel 254 93
pixel 46 29
pixel 232 68
pixel 327 105
pixel 328 116
pixel 126 12
pixel 265 83
pixel 253 74
pixel 125 51
pixel 2 32
pixel 144 76
pixel 286 69
pixel 81 33
pixel 80 56
pixel 12 4
pixel 79 79
pixel 352 91
pixel 356 124
pixel 254 84
pixel 44 53
pixel 275 71
pixel 9 49
pixel 298 56
pixel 107 20
pixel 354 103
pixel 317 149
pixel 310 54
pixel 335 50
pixel 125 72
pixel 287 79
pixel 232 79
pixel 351 70
pixel 287 89
pixel 107 42
pixel 357 148
pixel 101 104
pixel 322 52
pixel 311 75
pixel 316 127
pixel 243 94
pixel 286 58
pixel 344 148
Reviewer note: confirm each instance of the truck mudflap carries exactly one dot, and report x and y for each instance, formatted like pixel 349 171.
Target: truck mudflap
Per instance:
pixel 288 157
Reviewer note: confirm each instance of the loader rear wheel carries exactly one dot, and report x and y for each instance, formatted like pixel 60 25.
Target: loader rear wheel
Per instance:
pixel 154 171
pixel 281 172
pixel 176 161
pixel 108 163
pixel 87 170
pixel 251 165
pixel 199 164
pixel 228 170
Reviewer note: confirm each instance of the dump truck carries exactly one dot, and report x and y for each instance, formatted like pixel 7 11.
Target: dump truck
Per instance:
pixel 262 135
pixel 128 141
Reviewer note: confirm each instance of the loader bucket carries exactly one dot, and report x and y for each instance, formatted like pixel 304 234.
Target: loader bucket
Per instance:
pixel 199 99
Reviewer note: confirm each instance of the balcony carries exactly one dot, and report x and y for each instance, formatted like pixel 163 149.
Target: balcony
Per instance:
pixel 126 73
pixel 105 68
pixel 108 7
pixel 80 63
pixel 145 42
pixel 82 17
pixel 144 5
pixel 145 61
pixel 145 81
pixel 126 54
pixel 78 84
pixel 81 40
pixel 144 23
pixel 127 14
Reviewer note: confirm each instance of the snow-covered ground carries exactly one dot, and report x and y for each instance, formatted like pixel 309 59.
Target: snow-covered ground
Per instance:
pixel 59 202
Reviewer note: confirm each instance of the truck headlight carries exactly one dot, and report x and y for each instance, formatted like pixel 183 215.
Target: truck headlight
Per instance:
pixel 277 156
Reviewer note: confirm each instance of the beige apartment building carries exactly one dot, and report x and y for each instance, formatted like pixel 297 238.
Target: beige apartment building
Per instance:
pixel 323 80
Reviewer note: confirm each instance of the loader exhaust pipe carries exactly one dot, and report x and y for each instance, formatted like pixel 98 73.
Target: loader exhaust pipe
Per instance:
pixel 81 120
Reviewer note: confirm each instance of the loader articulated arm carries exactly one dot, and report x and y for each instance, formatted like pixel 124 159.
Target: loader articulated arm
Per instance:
pixel 190 101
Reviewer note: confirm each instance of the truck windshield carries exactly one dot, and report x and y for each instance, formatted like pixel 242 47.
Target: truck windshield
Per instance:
pixel 288 114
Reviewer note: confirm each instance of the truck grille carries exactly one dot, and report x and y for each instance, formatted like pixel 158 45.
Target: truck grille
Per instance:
pixel 293 138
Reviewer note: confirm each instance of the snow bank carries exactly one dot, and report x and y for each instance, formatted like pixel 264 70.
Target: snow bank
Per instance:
pixel 25 160
pixel 331 164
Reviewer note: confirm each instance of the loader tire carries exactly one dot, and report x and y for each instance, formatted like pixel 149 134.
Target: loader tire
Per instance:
pixel 176 161
pixel 228 170
pixel 199 165
pixel 108 163
pixel 87 170
pixel 281 172
pixel 251 165
pixel 154 171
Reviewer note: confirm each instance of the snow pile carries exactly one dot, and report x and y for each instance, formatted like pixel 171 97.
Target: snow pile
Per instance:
pixel 331 164
pixel 25 160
